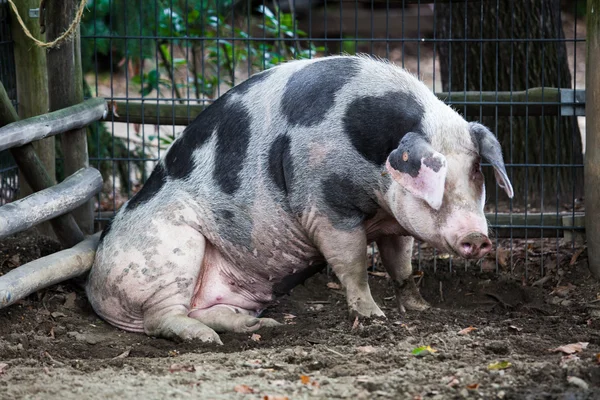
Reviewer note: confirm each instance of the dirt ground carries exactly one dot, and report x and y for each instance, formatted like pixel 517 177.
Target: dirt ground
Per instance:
pixel 52 345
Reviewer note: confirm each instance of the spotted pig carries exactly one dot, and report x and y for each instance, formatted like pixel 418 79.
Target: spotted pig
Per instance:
pixel 300 166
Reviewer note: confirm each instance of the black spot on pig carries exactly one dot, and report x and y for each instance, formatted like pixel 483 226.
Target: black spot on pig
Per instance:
pixel 407 157
pixel 235 226
pixel 152 186
pixel 226 214
pixel 310 92
pixel 349 202
pixel 233 136
pixel 292 280
pixel 376 124
pixel 243 87
pixel 280 165
pixel 179 161
pixel 434 163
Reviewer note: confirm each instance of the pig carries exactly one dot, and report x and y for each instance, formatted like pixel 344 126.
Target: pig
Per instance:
pixel 299 166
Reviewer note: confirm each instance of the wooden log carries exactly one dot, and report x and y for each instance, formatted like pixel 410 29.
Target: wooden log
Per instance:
pixel 152 113
pixel 35 174
pixel 36 128
pixel 539 100
pixel 65 88
pixel 47 271
pixel 49 203
pixel 32 92
pixel 592 154
pixel 534 102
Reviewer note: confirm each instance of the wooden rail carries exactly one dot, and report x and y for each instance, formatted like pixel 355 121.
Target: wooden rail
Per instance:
pixel 532 102
pixel 51 202
pixel 35 128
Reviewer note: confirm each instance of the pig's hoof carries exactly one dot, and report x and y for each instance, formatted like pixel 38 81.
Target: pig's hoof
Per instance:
pixel 372 311
pixel 408 296
pixel 225 319
pixel 413 303
pixel 203 334
pixel 180 327
pixel 269 323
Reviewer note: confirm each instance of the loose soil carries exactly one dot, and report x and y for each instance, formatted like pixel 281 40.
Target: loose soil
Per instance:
pixel 52 345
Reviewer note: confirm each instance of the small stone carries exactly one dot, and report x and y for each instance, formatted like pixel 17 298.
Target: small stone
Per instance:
pixel 500 394
pixel 575 381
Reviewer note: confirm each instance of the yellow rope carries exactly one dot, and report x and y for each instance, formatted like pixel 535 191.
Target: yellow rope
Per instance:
pixel 66 35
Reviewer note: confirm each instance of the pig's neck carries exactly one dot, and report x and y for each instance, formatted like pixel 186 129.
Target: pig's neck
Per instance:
pixel 382 224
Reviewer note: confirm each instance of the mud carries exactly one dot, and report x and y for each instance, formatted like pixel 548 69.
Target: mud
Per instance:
pixel 52 345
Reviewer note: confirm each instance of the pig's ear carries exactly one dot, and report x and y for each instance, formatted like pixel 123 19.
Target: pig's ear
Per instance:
pixel 419 169
pixel 490 151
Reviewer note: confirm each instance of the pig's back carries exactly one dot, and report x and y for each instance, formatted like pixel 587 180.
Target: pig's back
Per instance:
pixel 306 134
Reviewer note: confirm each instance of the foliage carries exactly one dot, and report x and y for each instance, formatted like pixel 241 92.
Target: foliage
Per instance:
pixel 219 43
pixel 201 40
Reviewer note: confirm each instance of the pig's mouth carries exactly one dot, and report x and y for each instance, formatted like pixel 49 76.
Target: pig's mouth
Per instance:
pixel 448 248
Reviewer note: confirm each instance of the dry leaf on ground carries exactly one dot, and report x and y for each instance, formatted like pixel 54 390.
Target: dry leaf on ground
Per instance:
pixel 366 349
pixel 333 285
pixel 452 381
pixel 245 389
pixel 515 328
pixel 573 380
pixel 276 397
pixel 123 355
pixel 466 331
pixel 563 291
pixel 3 367
pixel 355 324
pixel 576 256
pixel 571 348
pixel 502 255
pixel 181 367
pixel 255 337
pixel 473 386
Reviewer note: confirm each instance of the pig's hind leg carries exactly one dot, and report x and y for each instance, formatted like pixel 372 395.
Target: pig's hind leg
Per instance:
pixel 166 310
pixel 396 255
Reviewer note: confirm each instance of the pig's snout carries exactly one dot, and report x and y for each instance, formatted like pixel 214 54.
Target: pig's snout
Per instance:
pixel 474 245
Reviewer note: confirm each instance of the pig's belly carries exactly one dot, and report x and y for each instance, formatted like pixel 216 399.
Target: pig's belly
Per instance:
pixel 250 279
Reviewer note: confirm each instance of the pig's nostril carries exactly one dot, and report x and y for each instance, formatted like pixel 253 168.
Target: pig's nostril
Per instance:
pixel 475 245
pixel 467 248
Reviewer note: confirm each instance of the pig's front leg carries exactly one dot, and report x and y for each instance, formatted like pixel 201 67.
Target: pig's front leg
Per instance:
pixel 346 252
pixel 396 253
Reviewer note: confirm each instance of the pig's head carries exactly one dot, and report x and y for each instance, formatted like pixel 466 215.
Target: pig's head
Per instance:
pixel 439 198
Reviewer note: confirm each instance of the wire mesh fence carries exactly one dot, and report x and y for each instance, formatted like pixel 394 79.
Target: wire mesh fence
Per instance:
pixel 9 185
pixel 517 66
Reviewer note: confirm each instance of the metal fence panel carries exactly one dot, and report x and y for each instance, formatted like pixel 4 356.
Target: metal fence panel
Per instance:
pixel 9 177
pixel 509 63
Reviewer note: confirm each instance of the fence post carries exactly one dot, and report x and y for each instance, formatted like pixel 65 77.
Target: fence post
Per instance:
pixel 592 153
pixel 32 91
pixel 65 88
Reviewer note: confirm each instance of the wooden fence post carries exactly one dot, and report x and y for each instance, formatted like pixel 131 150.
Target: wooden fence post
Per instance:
pixel 65 88
pixel 32 91
pixel 592 146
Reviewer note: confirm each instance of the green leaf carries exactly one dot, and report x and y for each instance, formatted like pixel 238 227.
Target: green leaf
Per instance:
pixel 499 365
pixel 423 350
